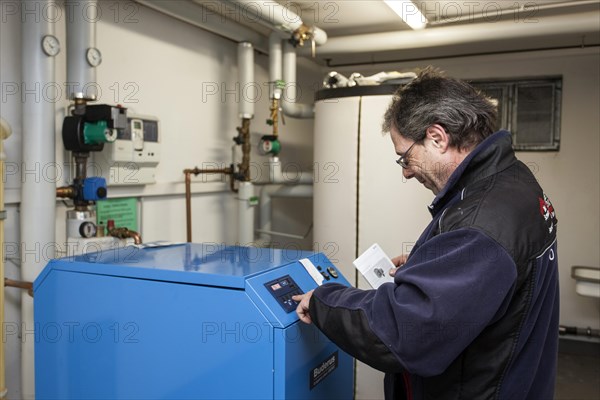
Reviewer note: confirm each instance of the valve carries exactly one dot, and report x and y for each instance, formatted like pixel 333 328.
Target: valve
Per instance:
pixel 300 35
pixel 94 189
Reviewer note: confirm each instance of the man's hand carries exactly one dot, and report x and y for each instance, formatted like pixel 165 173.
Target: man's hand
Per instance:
pixel 302 309
pixel 398 262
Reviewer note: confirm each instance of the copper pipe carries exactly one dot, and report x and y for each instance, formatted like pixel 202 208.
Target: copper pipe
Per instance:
pixel 197 171
pixel 244 133
pixel 275 115
pixel 124 233
pixel 137 238
pixel 65 192
pixel 246 149
pixel 20 284
pixel 188 192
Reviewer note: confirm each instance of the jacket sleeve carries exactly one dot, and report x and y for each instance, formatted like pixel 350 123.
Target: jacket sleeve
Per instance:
pixel 451 288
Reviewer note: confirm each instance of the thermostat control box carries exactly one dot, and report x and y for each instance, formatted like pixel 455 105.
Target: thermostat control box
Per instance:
pixel 133 157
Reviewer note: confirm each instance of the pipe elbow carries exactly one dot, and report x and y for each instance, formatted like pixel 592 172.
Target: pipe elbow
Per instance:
pixel 298 110
pixel 124 233
pixel 319 36
pixel 137 238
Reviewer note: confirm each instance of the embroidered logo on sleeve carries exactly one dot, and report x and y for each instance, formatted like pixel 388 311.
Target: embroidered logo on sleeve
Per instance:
pixel 547 211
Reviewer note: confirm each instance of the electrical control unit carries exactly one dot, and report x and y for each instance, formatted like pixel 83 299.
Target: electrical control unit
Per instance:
pixel 133 157
pixel 186 321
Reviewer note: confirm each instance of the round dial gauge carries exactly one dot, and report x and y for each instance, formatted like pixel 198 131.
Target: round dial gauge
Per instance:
pixel 87 229
pixel 50 45
pixel 93 56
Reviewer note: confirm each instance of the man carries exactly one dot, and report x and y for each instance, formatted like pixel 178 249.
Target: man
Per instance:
pixel 473 310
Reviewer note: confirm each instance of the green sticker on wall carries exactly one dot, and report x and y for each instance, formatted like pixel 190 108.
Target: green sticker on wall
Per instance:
pixel 122 211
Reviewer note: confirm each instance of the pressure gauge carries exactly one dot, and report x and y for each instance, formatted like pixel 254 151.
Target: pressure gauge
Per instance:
pixel 93 56
pixel 50 45
pixel 87 229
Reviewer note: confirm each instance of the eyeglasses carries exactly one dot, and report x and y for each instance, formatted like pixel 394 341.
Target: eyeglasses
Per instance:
pixel 402 160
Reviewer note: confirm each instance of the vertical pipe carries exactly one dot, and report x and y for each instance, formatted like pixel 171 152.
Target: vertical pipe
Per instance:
pixel 244 167
pixel 245 214
pixel 4 133
pixel 275 77
pixel 248 95
pixel 289 72
pixel 275 62
pixel 81 18
pixel 248 87
pixel 289 103
pixel 38 206
pixel 188 206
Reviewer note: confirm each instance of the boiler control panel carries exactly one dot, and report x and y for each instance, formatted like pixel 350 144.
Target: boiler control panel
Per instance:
pixel 283 289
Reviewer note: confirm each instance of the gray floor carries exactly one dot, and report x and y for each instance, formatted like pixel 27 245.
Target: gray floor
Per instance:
pixel 578 375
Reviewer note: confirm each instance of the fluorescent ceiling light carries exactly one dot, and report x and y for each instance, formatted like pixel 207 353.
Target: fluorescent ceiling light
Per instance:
pixel 409 13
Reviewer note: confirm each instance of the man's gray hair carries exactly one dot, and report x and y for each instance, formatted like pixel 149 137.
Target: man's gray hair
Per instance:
pixel 467 115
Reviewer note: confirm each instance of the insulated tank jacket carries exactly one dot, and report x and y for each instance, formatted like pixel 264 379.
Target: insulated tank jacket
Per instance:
pixel 473 314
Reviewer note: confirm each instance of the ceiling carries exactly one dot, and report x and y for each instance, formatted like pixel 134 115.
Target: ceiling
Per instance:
pixel 352 17
pixel 348 18
pixel 368 31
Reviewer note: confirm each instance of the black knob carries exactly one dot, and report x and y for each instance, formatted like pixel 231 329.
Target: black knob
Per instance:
pixel 101 192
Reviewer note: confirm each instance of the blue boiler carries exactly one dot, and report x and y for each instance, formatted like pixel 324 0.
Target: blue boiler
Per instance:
pixel 187 321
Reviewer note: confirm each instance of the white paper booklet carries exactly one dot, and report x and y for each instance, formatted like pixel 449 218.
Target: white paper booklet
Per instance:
pixel 374 265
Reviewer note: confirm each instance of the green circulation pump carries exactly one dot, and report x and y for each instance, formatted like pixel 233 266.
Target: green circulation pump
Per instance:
pixel 269 144
pixel 95 133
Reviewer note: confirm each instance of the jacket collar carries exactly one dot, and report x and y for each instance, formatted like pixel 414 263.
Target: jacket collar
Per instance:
pixel 491 156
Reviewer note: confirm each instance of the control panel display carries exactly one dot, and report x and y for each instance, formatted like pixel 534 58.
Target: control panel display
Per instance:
pixel 283 289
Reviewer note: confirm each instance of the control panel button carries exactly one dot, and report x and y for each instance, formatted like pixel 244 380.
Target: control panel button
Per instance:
pixel 283 289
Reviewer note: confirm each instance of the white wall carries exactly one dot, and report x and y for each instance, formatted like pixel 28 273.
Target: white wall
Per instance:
pixel 570 177
pixel 159 66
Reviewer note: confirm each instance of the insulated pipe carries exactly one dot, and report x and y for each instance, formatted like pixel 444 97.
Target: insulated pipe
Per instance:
pixel 267 192
pixel 38 201
pixel 276 175
pixel 248 90
pixel 248 87
pixel 5 132
pixel 572 24
pixel 206 15
pixel 275 16
pixel 288 101
pixel 523 8
pixel 275 62
pixel 81 19
pixel 275 79
pixel 246 214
